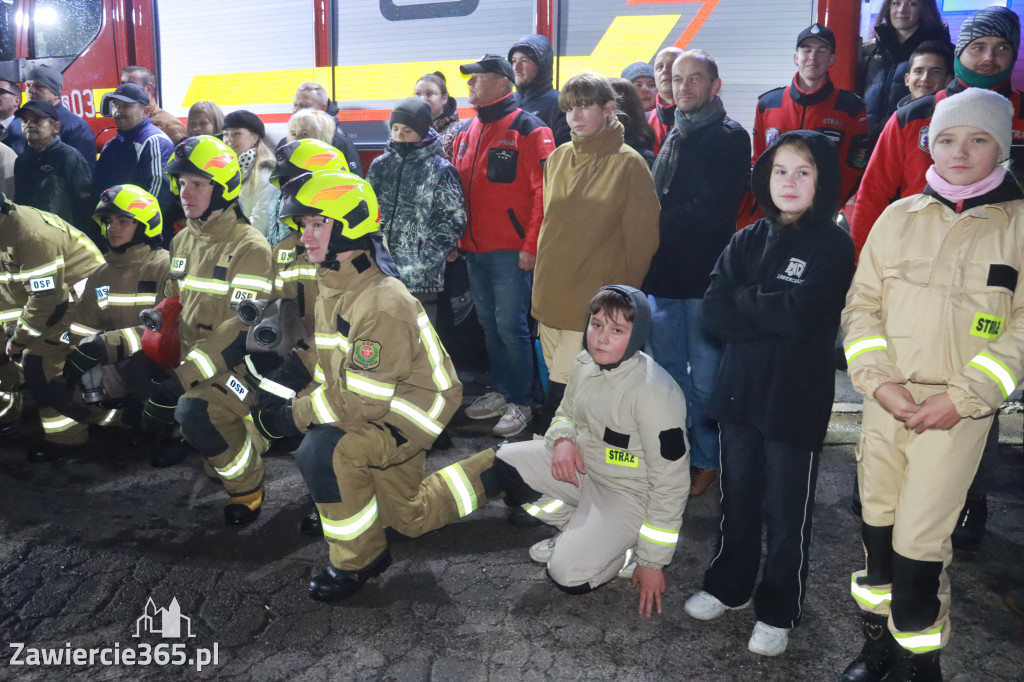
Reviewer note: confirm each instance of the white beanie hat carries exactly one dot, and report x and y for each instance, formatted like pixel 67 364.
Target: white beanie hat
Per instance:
pixel 979 108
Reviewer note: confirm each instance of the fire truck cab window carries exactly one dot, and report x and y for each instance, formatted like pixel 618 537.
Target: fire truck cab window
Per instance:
pixel 6 30
pixel 63 28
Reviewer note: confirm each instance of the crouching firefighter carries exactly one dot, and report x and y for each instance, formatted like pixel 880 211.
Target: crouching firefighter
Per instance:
pixel 41 259
pixel 388 389
pixel 218 260
pixel 106 322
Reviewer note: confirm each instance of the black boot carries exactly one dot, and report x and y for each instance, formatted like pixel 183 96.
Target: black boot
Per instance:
pixel 878 654
pixel 855 505
pixel 169 452
pixel 970 527
pixel 911 667
pixel 311 524
pixel 333 584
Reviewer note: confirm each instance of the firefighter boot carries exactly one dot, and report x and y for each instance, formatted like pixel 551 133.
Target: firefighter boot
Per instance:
pixel 311 524
pixel 333 584
pixel 911 667
pixel 243 509
pixel 878 654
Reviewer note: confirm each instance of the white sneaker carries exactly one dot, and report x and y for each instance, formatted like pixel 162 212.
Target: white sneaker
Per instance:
pixel 542 551
pixel 768 640
pixel 705 606
pixel 513 421
pixel 627 567
pixel 486 406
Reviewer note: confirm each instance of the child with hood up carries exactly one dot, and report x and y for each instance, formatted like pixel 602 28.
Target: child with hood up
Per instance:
pixel 775 298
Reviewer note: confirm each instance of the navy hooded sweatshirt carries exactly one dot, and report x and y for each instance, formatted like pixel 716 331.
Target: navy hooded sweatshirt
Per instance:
pixel 540 97
pixel 775 298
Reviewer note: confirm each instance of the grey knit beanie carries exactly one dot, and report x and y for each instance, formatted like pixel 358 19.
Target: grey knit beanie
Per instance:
pixel 991 21
pixel 638 70
pixel 978 108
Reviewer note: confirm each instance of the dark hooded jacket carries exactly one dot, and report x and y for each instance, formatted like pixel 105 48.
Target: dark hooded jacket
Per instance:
pixel 540 97
pixel 881 65
pixel 775 299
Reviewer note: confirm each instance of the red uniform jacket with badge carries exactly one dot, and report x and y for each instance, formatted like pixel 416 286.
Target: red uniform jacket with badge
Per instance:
pixel 837 114
pixel 901 157
pixel 500 159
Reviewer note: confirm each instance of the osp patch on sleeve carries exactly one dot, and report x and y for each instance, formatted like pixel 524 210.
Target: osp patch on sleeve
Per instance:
pixel 42 284
pixel 286 256
pixel 178 265
pixel 102 292
pixel 366 353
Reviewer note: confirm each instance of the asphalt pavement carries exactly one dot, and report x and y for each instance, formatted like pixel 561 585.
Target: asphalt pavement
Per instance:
pixel 87 543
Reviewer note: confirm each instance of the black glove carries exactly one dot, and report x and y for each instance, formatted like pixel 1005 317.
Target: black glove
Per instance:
pixel 85 356
pixel 158 413
pixel 291 374
pixel 276 423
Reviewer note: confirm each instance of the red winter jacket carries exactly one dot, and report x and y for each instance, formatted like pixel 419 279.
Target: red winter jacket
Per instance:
pixel 662 119
pixel 901 157
pixel 500 159
pixel 837 114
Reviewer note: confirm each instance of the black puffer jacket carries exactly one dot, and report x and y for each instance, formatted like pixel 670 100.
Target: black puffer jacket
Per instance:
pixel 880 69
pixel 775 299
pixel 540 97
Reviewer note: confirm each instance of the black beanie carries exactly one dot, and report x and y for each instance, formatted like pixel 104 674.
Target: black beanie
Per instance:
pixel 245 119
pixel 413 112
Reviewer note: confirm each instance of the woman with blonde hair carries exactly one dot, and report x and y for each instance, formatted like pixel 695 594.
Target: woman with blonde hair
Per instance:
pixel 306 124
pixel 205 118
pixel 243 132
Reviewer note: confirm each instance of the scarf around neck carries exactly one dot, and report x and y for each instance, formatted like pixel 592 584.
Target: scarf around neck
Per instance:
pixel 958 193
pixel 245 160
pixel 665 165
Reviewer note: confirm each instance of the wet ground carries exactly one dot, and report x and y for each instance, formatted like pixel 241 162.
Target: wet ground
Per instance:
pixel 86 543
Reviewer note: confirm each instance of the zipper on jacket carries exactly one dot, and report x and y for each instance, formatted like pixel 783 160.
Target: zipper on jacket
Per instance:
pixel 472 174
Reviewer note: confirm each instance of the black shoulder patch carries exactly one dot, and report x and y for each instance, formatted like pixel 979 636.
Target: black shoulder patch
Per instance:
pixel 673 444
pixel 220 272
pixel 849 103
pixel 771 99
pixel 525 123
pixel 920 109
pixel 147 286
pixel 616 439
pixel 361 263
pixel 1000 275
pixel 343 326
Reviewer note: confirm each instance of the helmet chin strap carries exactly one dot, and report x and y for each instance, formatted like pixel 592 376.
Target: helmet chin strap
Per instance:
pixel 216 203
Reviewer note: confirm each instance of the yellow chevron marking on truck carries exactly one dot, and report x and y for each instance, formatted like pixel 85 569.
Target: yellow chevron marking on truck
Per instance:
pixel 628 39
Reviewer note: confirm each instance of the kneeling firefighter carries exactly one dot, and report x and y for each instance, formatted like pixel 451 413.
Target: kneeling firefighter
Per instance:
pixel 41 259
pixel 218 260
pixel 106 326
pixel 388 388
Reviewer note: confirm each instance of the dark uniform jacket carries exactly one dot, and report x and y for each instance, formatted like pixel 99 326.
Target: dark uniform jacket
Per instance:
pixel 775 299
